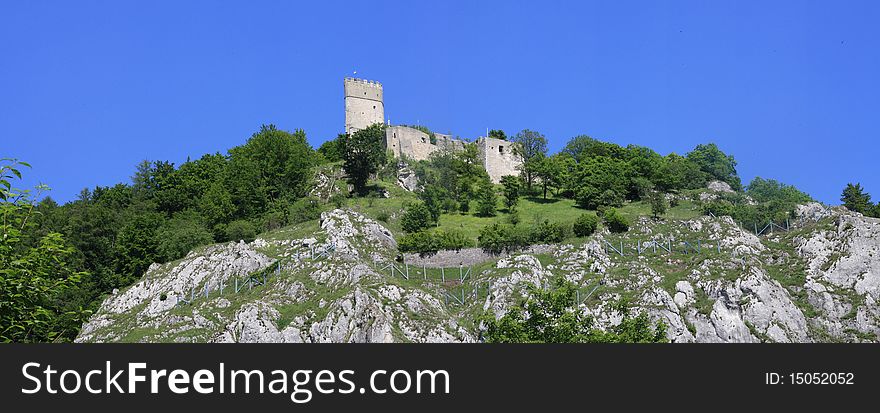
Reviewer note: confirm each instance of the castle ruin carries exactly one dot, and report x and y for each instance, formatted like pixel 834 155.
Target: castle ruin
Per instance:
pixel 364 106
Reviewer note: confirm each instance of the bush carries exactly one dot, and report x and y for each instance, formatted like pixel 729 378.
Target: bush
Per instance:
pixel 585 225
pixel 241 230
pixel 615 221
pixel 547 232
pixel 419 242
pixel 454 240
pixel 305 209
pixel 425 243
pixel 416 218
pixel 337 200
pixel 383 216
pixel 497 238
pixel 493 238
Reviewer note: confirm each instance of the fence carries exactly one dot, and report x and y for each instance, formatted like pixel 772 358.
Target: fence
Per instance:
pixel 254 279
pixel 641 248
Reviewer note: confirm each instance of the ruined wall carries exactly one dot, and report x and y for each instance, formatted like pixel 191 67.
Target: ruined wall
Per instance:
pixel 498 158
pixel 364 104
pixel 414 144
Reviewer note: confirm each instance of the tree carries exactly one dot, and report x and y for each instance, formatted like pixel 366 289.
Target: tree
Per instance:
pixel 531 146
pixel 551 171
pixel 180 235
pixel 333 149
pixel 855 198
pixel 658 204
pixel 33 276
pixel 551 316
pixel 716 164
pixel 583 147
pixel 600 181
pixel 280 162
pixel 433 197
pixel 416 217
pixel 364 153
pixel 677 173
pixel 497 134
pixel 512 187
pixel 486 199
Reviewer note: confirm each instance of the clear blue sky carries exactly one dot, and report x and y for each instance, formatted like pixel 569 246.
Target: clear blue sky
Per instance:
pixel 790 88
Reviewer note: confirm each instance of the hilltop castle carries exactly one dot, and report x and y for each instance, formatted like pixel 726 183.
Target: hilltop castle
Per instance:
pixel 364 106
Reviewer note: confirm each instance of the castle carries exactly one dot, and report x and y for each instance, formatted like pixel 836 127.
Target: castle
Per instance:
pixel 364 106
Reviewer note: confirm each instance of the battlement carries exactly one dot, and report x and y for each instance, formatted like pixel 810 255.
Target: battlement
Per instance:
pixel 365 82
pixel 364 104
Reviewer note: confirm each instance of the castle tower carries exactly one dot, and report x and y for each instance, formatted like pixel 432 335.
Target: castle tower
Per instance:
pixel 363 104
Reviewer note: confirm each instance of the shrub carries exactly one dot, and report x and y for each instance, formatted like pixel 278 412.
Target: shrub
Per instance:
pixel 383 216
pixel 493 238
pixel 241 230
pixel 424 243
pixel 416 217
pixel 615 221
pixel 454 240
pixel 337 200
pixel 547 232
pixel 305 209
pixel 419 242
pixel 585 225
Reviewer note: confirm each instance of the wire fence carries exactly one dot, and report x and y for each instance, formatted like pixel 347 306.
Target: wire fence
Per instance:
pixel 254 279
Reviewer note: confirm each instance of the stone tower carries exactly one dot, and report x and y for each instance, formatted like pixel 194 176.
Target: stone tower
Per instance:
pixel 363 104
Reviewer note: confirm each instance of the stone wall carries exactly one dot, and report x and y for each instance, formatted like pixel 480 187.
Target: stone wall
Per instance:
pixel 414 144
pixel 364 104
pixel 499 158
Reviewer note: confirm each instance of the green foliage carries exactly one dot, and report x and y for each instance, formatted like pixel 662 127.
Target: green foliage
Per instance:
pixel 716 164
pixel 136 245
pixel 305 209
pixel 498 237
pixel 434 197
pixel 658 204
pixel 770 190
pixel 497 134
pixel 512 188
pixel 547 232
pixel 615 221
pixel 551 316
pixel 364 152
pixel 416 217
pixel 333 149
pixel 487 201
pixel 176 237
pixel 585 225
pixel 531 146
pixel 241 230
pixel 272 164
pixel 425 243
pixel 35 275
pixel 601 181
pixel 855 198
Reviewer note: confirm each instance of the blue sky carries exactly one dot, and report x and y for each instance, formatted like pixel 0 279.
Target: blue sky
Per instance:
pixel 790 88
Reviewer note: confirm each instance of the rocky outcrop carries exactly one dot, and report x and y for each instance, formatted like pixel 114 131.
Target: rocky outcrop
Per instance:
pixel 818 282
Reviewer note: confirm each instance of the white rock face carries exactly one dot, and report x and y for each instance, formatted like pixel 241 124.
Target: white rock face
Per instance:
pixel 333 298
pixel 719 186
pixel 822 284
pixel 843 271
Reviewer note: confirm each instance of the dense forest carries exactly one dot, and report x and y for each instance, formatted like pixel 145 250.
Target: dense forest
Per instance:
pixel 58 262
